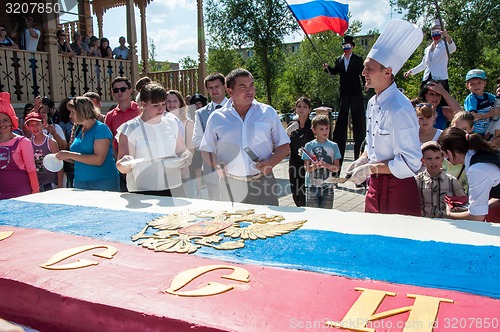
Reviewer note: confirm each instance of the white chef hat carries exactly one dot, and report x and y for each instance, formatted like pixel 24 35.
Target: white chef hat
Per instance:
pixel 396 44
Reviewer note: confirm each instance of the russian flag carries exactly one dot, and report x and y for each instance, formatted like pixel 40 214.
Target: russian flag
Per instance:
pixel 320 15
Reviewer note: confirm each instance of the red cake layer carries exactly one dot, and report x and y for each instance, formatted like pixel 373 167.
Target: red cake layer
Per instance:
pixel 126 293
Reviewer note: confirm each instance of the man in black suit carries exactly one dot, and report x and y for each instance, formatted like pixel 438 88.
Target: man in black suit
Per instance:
pixel 349 66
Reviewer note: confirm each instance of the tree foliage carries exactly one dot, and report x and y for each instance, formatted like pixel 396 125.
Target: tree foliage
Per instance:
pixel 188 62
pixel 473 25
pixel 223 59
pixel 260 24
pixel 153 64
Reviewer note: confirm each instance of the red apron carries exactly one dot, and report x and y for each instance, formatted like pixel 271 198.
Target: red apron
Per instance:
pixel 14 182
pixel 390 195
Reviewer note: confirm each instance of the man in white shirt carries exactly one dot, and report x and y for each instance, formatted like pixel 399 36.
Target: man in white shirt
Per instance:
pixel 244 140
pixel 435 60
pixel 214 83
pixel 28 38
pixel 392 157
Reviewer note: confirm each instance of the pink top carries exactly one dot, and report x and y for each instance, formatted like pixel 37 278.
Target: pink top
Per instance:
pixel 23 156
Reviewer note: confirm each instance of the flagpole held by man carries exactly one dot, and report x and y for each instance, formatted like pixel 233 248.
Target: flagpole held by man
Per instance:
pixel 320 15
pixel 392 155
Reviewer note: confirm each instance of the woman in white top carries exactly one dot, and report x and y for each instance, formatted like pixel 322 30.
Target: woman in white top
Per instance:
pixel 426 119
pixel 176 105
pixel 149 146
pixel 481 160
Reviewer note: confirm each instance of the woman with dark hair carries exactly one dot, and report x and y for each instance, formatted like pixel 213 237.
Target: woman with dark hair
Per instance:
pixel 482 162
pixel 95 47
pixel 106 51
pixel 300 133
pixel 154 138
pixel 62 43
pixel 435 94
pixel 65 120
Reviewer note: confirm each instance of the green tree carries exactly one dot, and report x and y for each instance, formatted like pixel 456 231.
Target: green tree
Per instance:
pixel 223 59
pixel 188 62
pixel 473 25
pixel 153 64
pixel 259 24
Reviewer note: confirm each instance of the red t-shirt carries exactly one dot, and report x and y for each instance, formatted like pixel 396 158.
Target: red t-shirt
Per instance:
pixel 116 117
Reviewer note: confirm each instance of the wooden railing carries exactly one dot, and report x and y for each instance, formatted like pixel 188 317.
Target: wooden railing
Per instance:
pixel 24 74
pixel 184 80
pixel 27 74
pixel 80 74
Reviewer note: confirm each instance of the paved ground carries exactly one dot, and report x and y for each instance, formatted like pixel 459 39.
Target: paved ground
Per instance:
pixel 347 196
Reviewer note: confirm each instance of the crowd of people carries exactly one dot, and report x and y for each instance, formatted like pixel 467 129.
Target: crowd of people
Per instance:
pixel 426 157
pixel 24 36
pixel 407 171
pixel 90 46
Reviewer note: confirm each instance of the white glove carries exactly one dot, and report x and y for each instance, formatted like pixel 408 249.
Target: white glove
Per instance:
pixel 300 152
pixel 359 162
pixel 359 174
pixel 126 158
pixel 292 127
pixel 186 158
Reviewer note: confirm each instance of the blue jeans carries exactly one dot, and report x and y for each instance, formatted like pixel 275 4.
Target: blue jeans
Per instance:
pixel 111 184
pixel 320 197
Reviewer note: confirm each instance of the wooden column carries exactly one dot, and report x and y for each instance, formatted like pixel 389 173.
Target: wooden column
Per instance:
pixel 100 15
pixel 132 41
pixel 86 24
pixel 50 46
pixel 202 66
pixel 144 41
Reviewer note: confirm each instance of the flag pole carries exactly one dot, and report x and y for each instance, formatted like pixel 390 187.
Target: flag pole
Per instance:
pixel 308 38
pixel 442 26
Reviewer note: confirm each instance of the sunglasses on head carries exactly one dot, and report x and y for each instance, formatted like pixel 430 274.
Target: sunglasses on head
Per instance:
pixel 422 105
pixel 122 89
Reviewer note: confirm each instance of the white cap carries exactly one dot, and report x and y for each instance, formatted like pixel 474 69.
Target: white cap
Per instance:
pixel 396 44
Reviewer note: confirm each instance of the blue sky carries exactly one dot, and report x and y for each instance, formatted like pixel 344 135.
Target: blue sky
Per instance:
pixel 172 24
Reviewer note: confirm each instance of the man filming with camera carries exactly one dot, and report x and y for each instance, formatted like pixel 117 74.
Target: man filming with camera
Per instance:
pixel 28 36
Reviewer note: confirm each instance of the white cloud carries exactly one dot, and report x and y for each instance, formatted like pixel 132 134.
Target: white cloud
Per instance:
pixel 373 14
pixel 174 4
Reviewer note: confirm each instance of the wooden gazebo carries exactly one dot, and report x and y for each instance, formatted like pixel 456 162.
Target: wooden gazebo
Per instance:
pixel 46 72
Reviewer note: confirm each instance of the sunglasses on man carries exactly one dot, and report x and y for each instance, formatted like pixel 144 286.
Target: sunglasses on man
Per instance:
pixel 122 89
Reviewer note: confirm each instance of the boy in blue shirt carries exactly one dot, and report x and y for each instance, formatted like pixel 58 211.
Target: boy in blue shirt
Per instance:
pixel 478 101
pixel 321 157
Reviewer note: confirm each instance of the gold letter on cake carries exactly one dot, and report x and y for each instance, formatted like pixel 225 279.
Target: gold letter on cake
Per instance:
pixel 4 235
pixel 212 288
pixel 423 312
pixel 65 254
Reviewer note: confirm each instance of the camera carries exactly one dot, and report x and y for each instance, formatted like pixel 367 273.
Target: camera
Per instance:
pixel 45 100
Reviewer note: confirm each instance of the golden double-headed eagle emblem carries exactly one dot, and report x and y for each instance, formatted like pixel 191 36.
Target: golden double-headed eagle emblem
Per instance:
pixel 186 232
